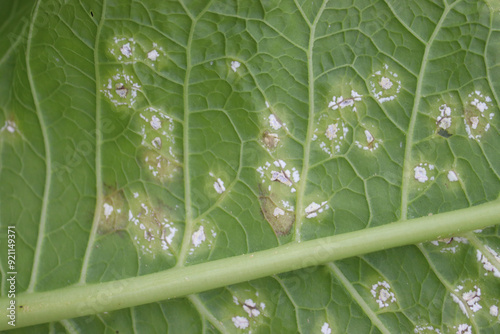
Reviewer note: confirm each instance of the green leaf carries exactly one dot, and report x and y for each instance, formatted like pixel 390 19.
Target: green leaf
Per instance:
pixel 226 167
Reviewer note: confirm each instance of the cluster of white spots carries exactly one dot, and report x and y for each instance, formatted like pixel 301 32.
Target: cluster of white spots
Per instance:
pixel 342 102
pixel 464 329
pixel 121 89
pixel 283 175
pixel 444 118
pixel 494 311
pixel 331 131
pixel 219 186
pixel 251 308
pixel 198 237
pixel 472 298
pixel 370 140
pixel 480 105
pixel 274 122
pixel 108 210
pixel 426 329
pixel 335 133
pixel 421 172
pixel 166 240
pixel 9 126
pixel 325 329
pixel 451 249
pixel 136 194
pixel 124 48
pixel 235 65
pixel 458 301
pixel 314 208
pixel 162 230
pixel 486 263
pixel 240 322
pixel 383 86
pixel 452 176
pixel 382 293
pixel 472 120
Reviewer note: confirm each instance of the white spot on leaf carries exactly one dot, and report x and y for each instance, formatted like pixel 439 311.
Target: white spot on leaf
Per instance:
pixel 325 329
pixel 235 65
pixel 198 237
pixel 240 322
pixel 108 210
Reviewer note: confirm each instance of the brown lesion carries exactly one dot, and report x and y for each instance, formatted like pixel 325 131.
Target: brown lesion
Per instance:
pixel 280 223
pixel 116 221
pixel 270 140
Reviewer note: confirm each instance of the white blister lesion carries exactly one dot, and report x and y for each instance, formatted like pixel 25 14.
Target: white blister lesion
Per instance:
pixel 152 231
pixel 157 132
pixel 330 134
pixel 478 114
pixel 121 88
pixel 385 84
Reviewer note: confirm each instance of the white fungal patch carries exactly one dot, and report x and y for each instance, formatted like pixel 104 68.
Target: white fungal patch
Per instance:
pixel 385 83
pixel 153 55
pixel 240 322
pixel 251 308
pixel 385 86
pixel 472 298
pixel 494 311
pixel 325 329
pixel 278 212
pixel 121 89
pixel 382 293
pixel 420 174
pixel 219 186
pixel 267 104
pixel 235 65
pixel 198 237
pixel 475 120
pixel 108 210
pixel 487 264
pixel 460 303
pixel 342 102
pixel 274 123
pixel 335 134
pixel 281 177
pixel 123 49
pixel 331 131
pixel 464 329
pixel 156 142
pixel 369 137
pixel 371 143
pixel 155 122
pixel 426 329
pixel 314 208
pixel 126 50
pixel 452 176
pixel 444 119
pixel 10 126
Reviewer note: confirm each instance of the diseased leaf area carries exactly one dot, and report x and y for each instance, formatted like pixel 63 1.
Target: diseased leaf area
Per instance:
pixel 138 137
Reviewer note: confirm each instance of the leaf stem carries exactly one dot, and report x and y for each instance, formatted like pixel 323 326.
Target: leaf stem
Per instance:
pixel 81 300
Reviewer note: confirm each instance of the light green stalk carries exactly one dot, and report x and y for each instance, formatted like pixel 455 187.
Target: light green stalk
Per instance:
pixel 84 300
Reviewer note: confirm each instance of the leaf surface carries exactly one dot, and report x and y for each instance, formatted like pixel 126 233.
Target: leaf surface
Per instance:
pixel 142 137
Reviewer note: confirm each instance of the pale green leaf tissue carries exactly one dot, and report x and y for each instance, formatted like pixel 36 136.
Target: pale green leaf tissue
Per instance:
pixel 230 166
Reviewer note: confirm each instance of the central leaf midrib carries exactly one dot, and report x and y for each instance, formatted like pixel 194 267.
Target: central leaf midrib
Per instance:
pixel 189 223
pixel 48 158
pixel 299 213
pixel 407 162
